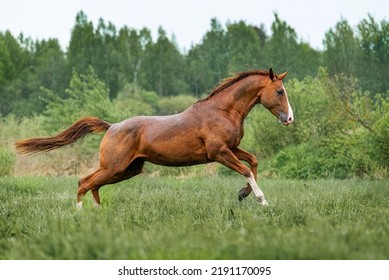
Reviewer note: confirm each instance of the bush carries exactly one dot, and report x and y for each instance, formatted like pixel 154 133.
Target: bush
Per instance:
pixel 339 131
pixel 308 161
pixel 175 104
pixel 134 101
pixel 7 161
pixel 86 96
pixel 380 135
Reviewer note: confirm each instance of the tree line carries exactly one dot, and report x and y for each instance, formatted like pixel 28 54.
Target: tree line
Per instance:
pixel 128 56
pixel 339 95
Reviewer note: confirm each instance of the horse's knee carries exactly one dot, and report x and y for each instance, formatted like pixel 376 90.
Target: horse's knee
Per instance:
pixel 254 162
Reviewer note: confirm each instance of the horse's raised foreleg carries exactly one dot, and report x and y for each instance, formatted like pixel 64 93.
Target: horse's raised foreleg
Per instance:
pixel 253 162
pixel 226 157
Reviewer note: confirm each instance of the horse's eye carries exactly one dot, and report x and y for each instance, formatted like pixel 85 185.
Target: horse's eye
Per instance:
pixel 280 92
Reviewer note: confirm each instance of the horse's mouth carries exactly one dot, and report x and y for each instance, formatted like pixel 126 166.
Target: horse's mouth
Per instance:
pixel 285 120
pixel 284 123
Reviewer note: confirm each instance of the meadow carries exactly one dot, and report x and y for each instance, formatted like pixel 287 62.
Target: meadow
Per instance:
pixel 194 218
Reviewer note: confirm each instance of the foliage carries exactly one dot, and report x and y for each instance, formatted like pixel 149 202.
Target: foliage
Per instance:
pixel 339 95
pixel 166 76
pixel 7 161
pixel 284 52
pixel 338 131
pixel 86 96
pixel 362 53
pixel 133 100
pixel 244 47
pixel 175 104
pixel 126 55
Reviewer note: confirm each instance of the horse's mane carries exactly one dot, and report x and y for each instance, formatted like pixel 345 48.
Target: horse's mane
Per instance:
pixel 231 81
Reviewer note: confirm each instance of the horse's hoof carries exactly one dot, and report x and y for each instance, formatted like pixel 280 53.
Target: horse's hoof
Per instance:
pixel 262 201
pixel 242 194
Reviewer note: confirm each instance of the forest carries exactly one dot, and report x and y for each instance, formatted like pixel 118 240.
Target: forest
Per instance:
pixel 340 94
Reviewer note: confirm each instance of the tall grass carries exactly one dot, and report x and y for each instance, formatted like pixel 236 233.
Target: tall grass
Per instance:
pixel 166 218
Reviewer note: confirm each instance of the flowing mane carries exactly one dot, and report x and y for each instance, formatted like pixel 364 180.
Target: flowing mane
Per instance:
pixel 231 81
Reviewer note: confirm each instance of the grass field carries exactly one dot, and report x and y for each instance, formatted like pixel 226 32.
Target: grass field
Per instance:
pixel 200 218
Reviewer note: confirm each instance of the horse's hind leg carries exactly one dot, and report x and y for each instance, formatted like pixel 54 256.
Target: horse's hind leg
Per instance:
pixel 93 181
pixel 103 177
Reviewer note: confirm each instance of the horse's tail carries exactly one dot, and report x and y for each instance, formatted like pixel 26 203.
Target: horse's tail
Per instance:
pixel 77 130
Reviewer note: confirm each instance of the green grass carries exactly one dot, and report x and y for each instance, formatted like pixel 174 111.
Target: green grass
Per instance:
pixel 200 218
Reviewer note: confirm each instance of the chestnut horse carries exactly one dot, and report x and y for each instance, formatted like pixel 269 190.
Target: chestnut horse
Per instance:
pixel 208 131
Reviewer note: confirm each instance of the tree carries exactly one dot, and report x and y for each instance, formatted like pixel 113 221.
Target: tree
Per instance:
pixel 96 48
pixel 50 66
pixel 374 43
pixel 284 52
pixel 208 61
pixel 86 95
pixel 13 62
pixel 31 65
pixel 81 50
pixel 244 47
pixel 164 68
pixel 131 46
pixel 341 50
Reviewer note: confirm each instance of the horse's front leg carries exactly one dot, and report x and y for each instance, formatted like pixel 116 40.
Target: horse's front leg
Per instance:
pixel 253 162
pixel 226 157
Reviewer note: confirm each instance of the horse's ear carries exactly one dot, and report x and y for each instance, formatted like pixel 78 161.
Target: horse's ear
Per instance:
pixel 281 76
pixel 271 74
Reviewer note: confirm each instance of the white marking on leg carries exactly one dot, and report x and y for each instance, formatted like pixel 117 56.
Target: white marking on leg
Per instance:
pixel 260 197
pixel 79 205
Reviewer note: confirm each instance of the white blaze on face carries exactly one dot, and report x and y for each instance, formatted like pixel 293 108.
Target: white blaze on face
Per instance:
pixel 290 111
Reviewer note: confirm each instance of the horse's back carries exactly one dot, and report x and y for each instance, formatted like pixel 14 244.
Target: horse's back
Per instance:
pixel 167 140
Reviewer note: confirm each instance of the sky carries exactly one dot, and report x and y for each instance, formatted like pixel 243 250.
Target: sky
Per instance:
pixel 188 20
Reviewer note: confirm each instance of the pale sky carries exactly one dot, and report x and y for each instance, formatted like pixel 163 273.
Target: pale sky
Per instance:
pixel 188 20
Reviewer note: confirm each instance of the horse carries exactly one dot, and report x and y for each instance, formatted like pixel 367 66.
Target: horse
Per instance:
pixel 210 130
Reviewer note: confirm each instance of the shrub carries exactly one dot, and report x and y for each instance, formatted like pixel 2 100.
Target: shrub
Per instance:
pixel 7 161
pixel 309 161
pixel 175 104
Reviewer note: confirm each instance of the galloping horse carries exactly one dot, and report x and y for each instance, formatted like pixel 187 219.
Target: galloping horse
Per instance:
pixel 210 130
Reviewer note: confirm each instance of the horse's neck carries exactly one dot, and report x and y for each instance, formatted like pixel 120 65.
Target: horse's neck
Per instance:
pixel 239 99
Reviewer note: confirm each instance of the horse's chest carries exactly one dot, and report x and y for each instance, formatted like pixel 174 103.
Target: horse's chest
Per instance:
pixel 233 136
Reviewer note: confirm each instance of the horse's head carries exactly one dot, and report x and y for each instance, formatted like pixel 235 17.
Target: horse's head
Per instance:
pixel 274 98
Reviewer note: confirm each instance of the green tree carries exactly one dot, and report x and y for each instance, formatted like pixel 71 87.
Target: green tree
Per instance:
pixel 284 52
pixel 13 62
pixel 97 48
pixel 81 50
pixel 50 66
pixel 374 71
pixel 341 50
pixel 33 65
pixel 86 95
pixel 106 57
pixel 164 68
pixel 244 47
pixel 208 62
pixel 7 66
pixel 131 46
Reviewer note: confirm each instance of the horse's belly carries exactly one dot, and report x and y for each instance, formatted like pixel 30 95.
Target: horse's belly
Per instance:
pixel 177 153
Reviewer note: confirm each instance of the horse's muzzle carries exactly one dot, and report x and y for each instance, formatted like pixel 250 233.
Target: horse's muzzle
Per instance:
pixel 285 119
